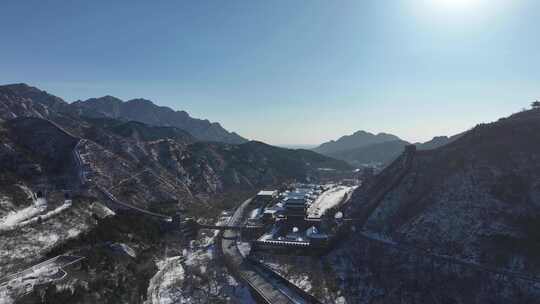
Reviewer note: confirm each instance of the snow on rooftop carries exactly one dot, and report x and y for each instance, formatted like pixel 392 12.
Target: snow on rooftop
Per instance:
pixel 254 213
pixel 312 230
pixel 313 233
pixel 244 248
pixel 267 192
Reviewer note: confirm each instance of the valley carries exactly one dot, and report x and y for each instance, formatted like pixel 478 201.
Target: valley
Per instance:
pixel 270 152
pixel 103 208
pixel 123 185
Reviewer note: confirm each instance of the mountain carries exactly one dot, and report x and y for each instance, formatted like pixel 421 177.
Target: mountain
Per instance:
pixel 362 148
pixel 119 149
pixel 468 211
pixel 17 100
pixel 147 112
pixel 379 153
pixel 47 148
pixel 375 149
pixel 141 131
pixel 24 91
pixel 357 140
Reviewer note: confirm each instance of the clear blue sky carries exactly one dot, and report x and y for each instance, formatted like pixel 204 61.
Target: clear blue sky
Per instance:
pixel 287 72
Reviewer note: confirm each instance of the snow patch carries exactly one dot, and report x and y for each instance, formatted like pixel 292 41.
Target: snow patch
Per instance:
pixel 164 287
pixel 49 214
pixel 72 233
pixel 4 297
pixel 49 239
pixel 244 248
pixel 329 199
pixel 14 218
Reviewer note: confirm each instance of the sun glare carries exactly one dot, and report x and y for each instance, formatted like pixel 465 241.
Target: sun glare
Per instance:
pixel 453 12
pixel 456 4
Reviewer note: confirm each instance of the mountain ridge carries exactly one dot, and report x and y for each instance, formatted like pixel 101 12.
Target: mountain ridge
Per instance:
pixel 146 111
pixel 365 148
pixel 168 150
pixel 358 139
pixel 138 109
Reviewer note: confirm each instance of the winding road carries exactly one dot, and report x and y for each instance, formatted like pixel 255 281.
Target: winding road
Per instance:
pixel 266 285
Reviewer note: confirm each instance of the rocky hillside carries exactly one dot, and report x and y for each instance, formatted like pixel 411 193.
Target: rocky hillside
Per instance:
pixel 144 164
pixel 465 212
pixel 148 164
pixel 48 151
pixel 255 163
pixel 13 104
pixel 24 91
pixel 147 112
pixel 140 131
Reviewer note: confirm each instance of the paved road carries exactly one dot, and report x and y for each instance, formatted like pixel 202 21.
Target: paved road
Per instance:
pixel 264 283
pixel 19 284
pixel 55 266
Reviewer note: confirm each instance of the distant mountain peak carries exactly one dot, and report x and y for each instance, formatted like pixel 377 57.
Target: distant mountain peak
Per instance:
pixel 24 90
pixel 18 85
pixel 142 101
pixel 361 132
pixel 110 98
pixel 21 88
pixel 358 139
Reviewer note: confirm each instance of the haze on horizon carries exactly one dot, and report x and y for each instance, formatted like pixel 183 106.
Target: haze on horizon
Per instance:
pixel 287 72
